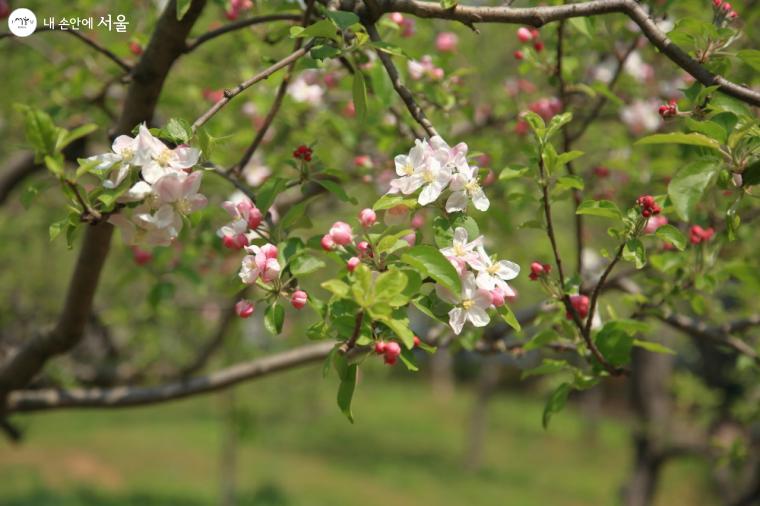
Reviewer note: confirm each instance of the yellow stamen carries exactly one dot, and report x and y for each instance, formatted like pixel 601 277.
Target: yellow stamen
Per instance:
pixel 467 304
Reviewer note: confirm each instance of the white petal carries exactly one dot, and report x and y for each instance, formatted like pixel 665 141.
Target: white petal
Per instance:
pixel 478 316
pixel 152 172
pixel 468 285
pixel 105 160
pixel 429 194
pixel 139 191
pixel 123 142
pixel 401 162
pixel 507 270
pixel 485 281
pixel 480 201
pixel 457 201
pixel 458 182
pixel 168 188
pixel 184 157
pixel 460 235
pixel 446 295
pixel 457 317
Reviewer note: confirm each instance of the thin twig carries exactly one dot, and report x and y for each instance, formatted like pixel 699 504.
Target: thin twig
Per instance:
pixel 87 40
pixel 417 113
pixel 348 345
pixel 237 25
pixel 265 74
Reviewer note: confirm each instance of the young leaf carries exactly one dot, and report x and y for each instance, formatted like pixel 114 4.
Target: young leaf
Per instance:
pixel 556 403
pixel 672 235
pixel 274 317
pixel 346 390
pixel 360 95
pixel 635 252
pixel 508 316
pixel 653 347
pixel 336 190
pixel 693 139
pixel 602 208
pixel 182 7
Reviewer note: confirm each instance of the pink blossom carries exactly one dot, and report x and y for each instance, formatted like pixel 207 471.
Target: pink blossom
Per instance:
pixel 352 264
pixel 418 220
pixel 446 42
pixel 391 351
pixel 497 297
pixel 654 223
pixel 410 238
pixel 524 34
pixel 327 243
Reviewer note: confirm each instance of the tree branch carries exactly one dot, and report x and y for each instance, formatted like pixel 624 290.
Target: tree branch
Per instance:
pixel 539 16
pixel 87 40
pixel 720 334
pixel 120 397
pixel 166 45
pixel 417 113
pixel 230 94
pixel 238 25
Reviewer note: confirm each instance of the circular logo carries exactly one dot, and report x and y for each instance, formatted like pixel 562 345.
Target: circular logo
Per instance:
pixel 22 22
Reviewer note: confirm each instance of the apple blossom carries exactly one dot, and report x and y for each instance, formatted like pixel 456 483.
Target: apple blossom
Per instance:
pixel 408 165
pixel 465 251
pixel 581 305
pixel 495 275
pixel 537 270
pixel 654 223
pixel 124 149
pixel 524 34
pixel 244 308
pixel 380 347
pixel 699 235
pixel 391 351
pixel 157 160
pixel 498 297
pixel 327 242
pixel 352 264
pixel 303 92
pixel 261 262
pixel 641 116
pixel 471 305
pixel 518 55
pixel 181 191
pixel 298 299
pixel 464 186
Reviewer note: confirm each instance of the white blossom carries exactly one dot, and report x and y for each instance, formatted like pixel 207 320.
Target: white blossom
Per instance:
pixel 472 304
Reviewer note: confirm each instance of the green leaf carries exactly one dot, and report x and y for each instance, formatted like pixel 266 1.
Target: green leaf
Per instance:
pixel 541 339
pixel 508 316
pixel 162 290
pixel 389 201
pixel 68 137
pixel 274 317
pixel 751 57
pixel 567 182
pixel 407 358
pixel 548 366
pixel 336 190
pixel 400 327
pixel 558 122
pixel 40 131
pixel 567 157
pixel 688 185
pixel 751 175
pixel 428 260
pixel 582 25
pixel 323 28
pixel 179 130
pixel 182 7
pixel 708 128
pixel 672 235
pixel 536 122
pixel 556 403
pixel 635 252
pixel 336 287
pixel 692 139
pixel 346 390
pixel 653 347
pixel 360 95
pixel 343 19
pixel 601 208
pixel 449 4
pixel 389 285
pixel 57 227
pixel 615 344
pixel 305 264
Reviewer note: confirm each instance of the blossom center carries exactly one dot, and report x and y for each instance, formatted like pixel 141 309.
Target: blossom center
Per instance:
pixel 467 304
pixel 183 206
pixel 408 169
pixel 127 154
pixel 428 176
pixel 459 250
pixel 492 269
pixel 472 186
pixel 164 158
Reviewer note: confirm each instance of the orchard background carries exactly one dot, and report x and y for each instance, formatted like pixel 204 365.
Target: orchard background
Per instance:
pixel 519 239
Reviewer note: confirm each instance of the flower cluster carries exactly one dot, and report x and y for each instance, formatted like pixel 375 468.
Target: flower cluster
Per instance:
pixel 723 11
pixel 538 270
pixel 435 166
pixel 698 235
pixel 303 153
pixel 484 281
pixel 166 192
pixel 525 35
pixel 424 67
pixel 648 206
pixel 581 305
pixel 246 218
pixel 405 24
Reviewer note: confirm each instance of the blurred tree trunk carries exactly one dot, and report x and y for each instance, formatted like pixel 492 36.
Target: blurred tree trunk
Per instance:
pixel 478 427
pixel 228 456
pixel 652 404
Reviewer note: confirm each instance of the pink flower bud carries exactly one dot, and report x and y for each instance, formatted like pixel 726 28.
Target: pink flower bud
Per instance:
pixel 327 243
pixel 380 347
pixel 397 17
pixel 538 46
pixel 410 239
pixel 518 55
pixel 341 233
pixel 352 263
pixel 254 218
pixel 298 299
pixel 269 250
pixel 363 161
pixel 497 297
pixel 364 248
pixel 417 341
pixel 446 42
pixel 367 217
pixel 392 351
pixel 141 257
pixel 418 220
pixel 244 308
pixel 235 242
pixel 581 305
pixel 524 35
pixel 134 47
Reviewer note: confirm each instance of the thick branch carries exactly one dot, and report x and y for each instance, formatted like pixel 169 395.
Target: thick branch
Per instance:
pixel 166 45
pixel 120 397
pixel 539 16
